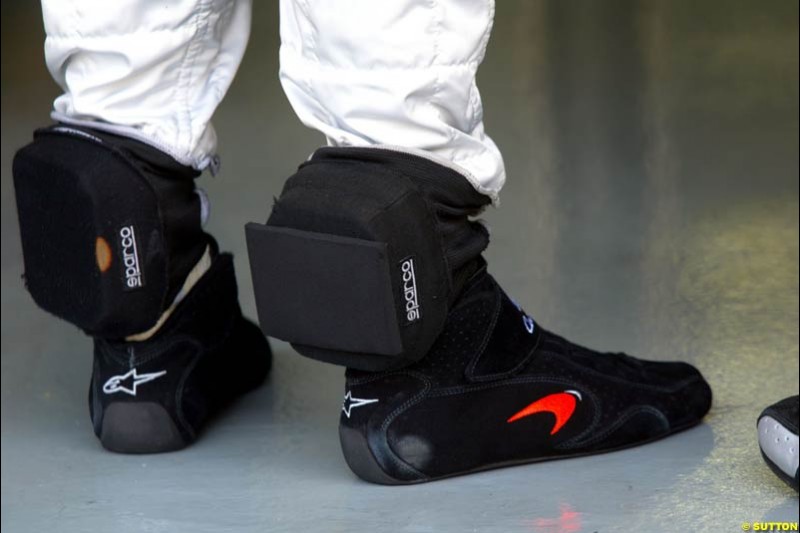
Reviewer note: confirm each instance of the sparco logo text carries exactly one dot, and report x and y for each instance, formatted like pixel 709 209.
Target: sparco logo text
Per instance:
pixel 410 290
pixel 130 258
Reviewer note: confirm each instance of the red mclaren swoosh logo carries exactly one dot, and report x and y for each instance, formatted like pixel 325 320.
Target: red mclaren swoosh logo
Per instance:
pixel 560 404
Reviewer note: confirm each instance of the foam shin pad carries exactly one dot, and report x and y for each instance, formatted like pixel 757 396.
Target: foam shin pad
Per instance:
pixel 108 231
pixel 358 263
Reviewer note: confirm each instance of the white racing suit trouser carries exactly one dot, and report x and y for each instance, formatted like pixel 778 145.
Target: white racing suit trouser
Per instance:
pixel 398 74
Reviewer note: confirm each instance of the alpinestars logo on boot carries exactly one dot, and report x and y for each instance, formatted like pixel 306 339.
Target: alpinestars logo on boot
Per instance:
pixel 351 403
pixel 120 383
pixel 130 258
pixel 410 290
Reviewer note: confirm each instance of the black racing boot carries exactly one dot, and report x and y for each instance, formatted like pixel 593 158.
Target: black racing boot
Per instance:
pixel 371 259
pixel 497 389
pixel 112 240
pixel 156 395
pixel 778 440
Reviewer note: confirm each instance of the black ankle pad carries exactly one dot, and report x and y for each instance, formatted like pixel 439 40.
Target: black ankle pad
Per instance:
pixel 110 228
pixel 363 254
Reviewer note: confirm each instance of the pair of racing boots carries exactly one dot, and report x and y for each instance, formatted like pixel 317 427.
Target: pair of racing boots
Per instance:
pixel 494 388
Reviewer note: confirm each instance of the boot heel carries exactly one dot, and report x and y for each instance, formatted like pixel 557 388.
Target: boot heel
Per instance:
pixel 142 427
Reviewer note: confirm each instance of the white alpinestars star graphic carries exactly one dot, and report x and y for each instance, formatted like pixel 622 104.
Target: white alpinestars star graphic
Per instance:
pixel 351 403
pixel 117 383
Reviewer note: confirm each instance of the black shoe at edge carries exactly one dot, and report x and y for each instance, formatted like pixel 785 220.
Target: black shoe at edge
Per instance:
pixel 778 439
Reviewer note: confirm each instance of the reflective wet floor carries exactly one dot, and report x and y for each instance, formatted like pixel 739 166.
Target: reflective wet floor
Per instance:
pixel 651 207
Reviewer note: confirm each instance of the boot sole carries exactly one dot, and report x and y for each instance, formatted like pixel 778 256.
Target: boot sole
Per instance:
pixel 359 457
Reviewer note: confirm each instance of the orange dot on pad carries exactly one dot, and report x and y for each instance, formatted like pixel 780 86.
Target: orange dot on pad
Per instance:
pixel 102 253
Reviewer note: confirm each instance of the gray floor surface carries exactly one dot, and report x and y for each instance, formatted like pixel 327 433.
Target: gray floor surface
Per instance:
pixel 651 207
